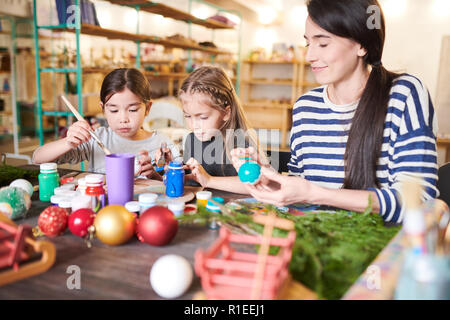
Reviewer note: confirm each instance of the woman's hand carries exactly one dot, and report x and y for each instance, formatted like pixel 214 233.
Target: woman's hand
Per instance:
pixel 198 173
pixel 77 134
pixel 273 187
pixel 145 165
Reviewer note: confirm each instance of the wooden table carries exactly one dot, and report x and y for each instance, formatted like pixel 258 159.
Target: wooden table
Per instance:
pixel 107 272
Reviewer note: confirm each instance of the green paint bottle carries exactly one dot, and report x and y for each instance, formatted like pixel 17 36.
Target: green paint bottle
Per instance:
pixel 48 181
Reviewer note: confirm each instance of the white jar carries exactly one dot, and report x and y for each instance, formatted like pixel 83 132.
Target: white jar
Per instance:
pixel 133 207
pixel 82 186
pixel 147 200
pixel 81 201
pixel 66 204
pixel 177 207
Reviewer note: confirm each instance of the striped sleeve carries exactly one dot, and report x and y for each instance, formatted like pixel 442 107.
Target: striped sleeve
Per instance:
pixel 414 152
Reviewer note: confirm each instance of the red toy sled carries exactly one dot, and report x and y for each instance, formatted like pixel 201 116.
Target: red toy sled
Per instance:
pixel 229 274
pixel 18 251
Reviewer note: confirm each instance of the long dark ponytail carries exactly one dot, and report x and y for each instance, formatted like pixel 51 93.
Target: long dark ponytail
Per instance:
pixel 351 19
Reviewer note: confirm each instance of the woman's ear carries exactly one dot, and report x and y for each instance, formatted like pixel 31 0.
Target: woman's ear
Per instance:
pixel 102 105
pixel 227 115
pixel 362 52
pixel 148 107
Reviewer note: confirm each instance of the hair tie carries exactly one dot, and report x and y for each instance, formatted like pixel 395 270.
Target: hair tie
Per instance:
pixel 377 64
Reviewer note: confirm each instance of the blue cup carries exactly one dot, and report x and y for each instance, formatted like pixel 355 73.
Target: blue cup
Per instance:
pixel 174 179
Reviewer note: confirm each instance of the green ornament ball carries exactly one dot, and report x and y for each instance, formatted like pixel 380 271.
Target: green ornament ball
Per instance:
pixel 14 202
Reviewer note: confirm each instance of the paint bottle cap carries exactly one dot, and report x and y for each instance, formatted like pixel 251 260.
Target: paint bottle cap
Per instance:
pixel 176 165
pixel 59 191
pixel 203 195
pixel 66 203
pixel 133 206
pixel 68 186
pixel 48 167
pixel 148 198
pixel 94 180
pixel 212 206
pixel 56 199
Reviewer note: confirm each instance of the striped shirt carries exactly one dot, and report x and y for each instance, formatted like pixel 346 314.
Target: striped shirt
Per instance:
pixel 320 131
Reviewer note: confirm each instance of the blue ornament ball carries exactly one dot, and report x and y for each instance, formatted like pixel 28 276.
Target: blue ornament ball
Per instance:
pixel 249 172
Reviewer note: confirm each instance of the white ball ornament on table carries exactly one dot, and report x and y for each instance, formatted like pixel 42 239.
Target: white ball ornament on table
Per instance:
pixel 171 276
pixel 24 185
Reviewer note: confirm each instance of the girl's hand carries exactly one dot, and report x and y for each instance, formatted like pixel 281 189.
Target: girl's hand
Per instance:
pixel 78 133
pixel 145 162
pixel 198 173
pixel 167 155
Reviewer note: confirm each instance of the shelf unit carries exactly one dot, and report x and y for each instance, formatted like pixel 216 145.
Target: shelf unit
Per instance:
pixel 12 94
pixel 138 38
pixel 270 113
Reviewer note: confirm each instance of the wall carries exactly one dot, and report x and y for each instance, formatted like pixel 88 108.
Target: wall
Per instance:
pixel 415 29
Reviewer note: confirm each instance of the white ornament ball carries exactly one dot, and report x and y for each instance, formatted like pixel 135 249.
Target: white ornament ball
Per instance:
pixel 24 185
pixel 171 276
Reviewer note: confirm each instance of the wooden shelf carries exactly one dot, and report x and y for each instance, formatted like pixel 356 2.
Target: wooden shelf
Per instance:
pixel 169 12
pixel 270 62
pixel 120 35
pixel 288 82
pixel 156 74
pixel 5 93
pixel 268 104
pixel 4 72
pixel 310 84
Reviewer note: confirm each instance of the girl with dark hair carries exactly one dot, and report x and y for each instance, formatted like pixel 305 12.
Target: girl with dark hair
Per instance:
pixel 365 130
pixel 125 98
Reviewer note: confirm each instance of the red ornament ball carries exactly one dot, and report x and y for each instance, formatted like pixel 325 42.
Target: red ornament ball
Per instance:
pixel 157 226
pixel 80 220
pixel 53 221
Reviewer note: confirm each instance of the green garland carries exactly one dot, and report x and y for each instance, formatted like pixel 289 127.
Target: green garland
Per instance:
pixel 331 249
pixel 9 173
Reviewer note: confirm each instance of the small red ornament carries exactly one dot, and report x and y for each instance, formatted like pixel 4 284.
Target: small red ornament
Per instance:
pixel 80 220
pixel 157 226
pixel 53 221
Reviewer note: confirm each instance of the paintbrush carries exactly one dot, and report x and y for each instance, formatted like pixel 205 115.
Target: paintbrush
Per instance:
pixel 80 118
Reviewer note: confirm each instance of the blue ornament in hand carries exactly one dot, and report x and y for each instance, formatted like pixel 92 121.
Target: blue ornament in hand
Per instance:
pixel 249 172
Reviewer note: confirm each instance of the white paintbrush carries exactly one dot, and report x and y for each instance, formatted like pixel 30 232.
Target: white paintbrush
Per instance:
pixel 80 118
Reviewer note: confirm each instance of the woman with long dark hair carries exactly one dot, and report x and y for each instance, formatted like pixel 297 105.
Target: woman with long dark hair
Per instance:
pixel 364 131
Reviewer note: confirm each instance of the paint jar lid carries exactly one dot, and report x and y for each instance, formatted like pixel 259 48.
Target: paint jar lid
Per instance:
pixel 176 205
pixel 68 186
pixel 133 206
pixel 66 203
pixel 70 194
pixel 59 191
pixel 56 199
pixel 212 206
pixel 94 180
pixel 147 197
pixel 203 195
pixel 49 167
pixel 175 165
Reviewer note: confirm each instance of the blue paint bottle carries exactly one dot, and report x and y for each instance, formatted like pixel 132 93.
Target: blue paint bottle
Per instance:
pixel 174 179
